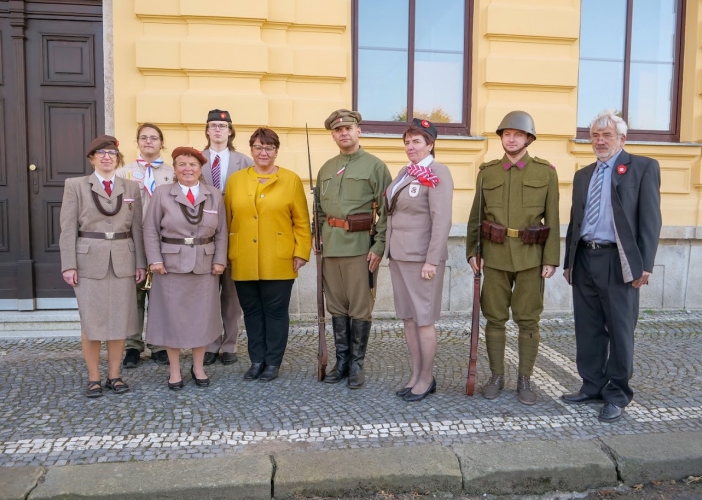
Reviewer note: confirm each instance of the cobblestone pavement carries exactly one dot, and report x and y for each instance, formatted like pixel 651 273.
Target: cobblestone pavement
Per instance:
pixel 45 419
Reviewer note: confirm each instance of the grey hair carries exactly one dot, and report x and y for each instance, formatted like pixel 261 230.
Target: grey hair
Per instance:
pixel 607 118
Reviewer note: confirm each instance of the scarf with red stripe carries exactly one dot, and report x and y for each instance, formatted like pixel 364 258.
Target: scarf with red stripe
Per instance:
pixel 424 175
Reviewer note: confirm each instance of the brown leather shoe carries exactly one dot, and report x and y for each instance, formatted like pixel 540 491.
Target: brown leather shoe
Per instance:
pixel 493 387
pixel 526 393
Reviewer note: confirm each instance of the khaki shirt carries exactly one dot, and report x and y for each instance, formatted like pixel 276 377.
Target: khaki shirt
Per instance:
pixel 516 198
pixel 163 174
pixel 353 191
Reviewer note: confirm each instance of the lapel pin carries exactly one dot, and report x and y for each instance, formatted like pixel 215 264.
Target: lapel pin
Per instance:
pixel 621 169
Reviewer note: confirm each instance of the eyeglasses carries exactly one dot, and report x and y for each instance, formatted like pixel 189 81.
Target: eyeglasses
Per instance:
pixel 267 149
pixel 101 153
pixel 215 126
pixel 607 136
pixel 152 138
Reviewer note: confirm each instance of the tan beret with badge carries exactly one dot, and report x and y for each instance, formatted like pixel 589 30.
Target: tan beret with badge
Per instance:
pixel 341 118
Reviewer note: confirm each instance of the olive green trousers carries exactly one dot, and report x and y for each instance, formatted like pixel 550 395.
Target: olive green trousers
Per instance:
pixel 523 292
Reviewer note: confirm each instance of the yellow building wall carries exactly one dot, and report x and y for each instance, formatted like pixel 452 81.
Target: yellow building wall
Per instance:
pixel 287 63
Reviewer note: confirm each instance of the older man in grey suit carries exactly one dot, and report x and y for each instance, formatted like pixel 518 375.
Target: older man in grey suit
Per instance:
pixel 223 161
pixel 611 243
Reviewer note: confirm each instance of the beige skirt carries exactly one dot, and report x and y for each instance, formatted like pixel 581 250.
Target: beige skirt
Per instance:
pixel 107 307
pixel 416 298
pixel 184 310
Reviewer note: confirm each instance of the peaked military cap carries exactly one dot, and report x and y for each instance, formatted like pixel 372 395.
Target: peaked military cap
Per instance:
pixel 218 115
pixel 341 118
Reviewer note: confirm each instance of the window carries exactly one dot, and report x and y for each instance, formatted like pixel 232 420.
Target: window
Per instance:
pixel 630 60
pixel 412 59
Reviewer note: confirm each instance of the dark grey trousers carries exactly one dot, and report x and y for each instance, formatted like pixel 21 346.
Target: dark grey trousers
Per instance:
pixel 606 310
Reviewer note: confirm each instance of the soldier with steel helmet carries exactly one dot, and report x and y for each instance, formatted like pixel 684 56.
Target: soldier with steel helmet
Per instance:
pixel 516 211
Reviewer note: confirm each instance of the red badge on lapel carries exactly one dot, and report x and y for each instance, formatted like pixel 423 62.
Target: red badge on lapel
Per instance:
pixel 621 169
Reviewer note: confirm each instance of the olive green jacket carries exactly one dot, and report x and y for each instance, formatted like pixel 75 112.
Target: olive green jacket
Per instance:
pixel 352 191
pixel 516 198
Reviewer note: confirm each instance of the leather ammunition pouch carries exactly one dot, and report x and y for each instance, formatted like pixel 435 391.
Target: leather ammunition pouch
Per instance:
pixel 492 231
pixel 534 235
pixel 353 223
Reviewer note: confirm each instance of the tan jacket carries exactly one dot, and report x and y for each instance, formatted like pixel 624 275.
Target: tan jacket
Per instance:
pixel 163 174
pixel 237 161
pixel 165 218
pixel 419 226
pixel 91 257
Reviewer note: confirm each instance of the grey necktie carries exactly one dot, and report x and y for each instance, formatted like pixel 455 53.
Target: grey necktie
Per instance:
pixel 593 203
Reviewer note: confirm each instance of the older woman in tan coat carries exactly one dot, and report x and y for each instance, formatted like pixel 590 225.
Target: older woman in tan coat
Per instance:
pixel 185 235
pixel 419 221
pixel 102 257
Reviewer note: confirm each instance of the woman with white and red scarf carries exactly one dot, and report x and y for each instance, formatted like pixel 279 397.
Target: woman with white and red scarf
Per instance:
pixel 148 170
pixel 419 220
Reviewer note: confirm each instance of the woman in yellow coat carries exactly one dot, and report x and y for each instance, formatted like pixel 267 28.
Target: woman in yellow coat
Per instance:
pixel 269 241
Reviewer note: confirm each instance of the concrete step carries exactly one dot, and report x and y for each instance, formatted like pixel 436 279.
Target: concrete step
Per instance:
pixel 61 323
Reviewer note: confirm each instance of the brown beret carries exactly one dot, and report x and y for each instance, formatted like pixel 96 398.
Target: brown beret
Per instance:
pixel 102 142
pixel 341 118
pixel 188 151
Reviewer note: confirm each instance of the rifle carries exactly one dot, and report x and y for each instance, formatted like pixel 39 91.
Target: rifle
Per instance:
pixel 373 232
pixel 322 345
pixel 475 319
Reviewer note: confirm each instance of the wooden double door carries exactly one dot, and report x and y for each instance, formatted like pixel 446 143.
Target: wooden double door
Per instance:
pixel 51 107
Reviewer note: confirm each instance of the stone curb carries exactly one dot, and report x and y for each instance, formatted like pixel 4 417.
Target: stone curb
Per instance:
pixel 425 469
pixel 534 467
pixel 17 482
pixel 215 478
pixel 645 457
pixel 530 467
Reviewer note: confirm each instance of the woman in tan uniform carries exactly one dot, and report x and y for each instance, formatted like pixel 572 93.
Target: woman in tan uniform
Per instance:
pixel 102 256
pixel 185 235
pixel 419 220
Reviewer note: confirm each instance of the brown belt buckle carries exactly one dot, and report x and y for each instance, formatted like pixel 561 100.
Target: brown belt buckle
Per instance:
pixel 109 236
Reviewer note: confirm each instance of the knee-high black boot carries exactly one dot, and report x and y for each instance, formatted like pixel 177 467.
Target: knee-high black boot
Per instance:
pixel 342 334
pixel 360 331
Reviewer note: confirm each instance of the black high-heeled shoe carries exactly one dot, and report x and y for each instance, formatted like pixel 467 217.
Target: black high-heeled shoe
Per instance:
pixel 201 382
pixel 403 391
pixel 176 386
pixel 410 396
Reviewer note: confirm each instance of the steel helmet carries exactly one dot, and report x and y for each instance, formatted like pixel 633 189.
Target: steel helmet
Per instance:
pixel 518 120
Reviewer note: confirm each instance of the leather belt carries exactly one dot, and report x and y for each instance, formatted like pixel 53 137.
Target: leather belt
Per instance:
pixel 334 222
pixel 187 241
pixel 105 236
pixel 595 246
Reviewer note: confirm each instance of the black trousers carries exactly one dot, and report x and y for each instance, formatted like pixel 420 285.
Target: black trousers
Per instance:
pixel 606 310
pixel 265 304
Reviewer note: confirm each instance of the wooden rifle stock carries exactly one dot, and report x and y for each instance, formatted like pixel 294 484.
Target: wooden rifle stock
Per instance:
pixel 474 331
pixel 475 318
pixel 322 354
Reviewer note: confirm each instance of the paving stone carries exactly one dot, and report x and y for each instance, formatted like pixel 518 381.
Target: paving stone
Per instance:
pixel 49 416
pixel 534 467
pixel 645 457
pixel 424 469
pixel 218 478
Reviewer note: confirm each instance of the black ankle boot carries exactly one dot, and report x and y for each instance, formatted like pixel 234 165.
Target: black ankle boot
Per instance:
pixel 360 331
pixel 342 334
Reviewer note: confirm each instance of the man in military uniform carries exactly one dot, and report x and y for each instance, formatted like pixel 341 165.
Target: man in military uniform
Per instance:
pixel 351 183
pixel 518 220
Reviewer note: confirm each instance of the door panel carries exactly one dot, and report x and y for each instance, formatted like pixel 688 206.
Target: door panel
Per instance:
pixel 64 107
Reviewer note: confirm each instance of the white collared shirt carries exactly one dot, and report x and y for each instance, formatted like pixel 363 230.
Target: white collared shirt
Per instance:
pixel 223 165
pixel 102 179
pixel 195 189
pixel 424 163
